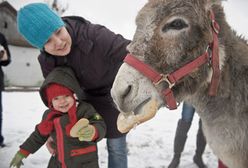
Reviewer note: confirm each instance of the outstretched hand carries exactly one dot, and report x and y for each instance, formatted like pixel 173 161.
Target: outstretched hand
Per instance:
pixel 83 130
pixel 128 120
pixel 17 160
pixel 87 133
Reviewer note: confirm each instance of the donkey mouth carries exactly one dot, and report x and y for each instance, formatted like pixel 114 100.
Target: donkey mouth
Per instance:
pixel 138 109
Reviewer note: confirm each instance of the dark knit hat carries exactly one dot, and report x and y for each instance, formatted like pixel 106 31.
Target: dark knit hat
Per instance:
pixel 36 22
pixel 53 90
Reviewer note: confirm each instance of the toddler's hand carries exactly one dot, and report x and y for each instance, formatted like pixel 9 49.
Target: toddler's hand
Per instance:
pixel 17 160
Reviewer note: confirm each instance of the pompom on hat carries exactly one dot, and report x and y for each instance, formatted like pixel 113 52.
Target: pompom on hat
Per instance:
pixel 36 22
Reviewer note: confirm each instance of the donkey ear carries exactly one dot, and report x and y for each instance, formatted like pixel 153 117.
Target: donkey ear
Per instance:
pixel 210 3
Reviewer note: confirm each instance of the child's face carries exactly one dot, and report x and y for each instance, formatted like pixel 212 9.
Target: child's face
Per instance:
pixel 59 43
pixel 62 103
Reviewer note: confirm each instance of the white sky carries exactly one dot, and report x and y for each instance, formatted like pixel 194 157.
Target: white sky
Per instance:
pixel 119 15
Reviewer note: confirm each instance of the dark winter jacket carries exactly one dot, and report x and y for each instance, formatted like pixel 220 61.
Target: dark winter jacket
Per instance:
pixel 96 55
pixel 70 152
pixel 4 43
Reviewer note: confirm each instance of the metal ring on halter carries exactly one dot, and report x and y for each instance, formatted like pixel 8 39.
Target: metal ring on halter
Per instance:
pixel 178 104
pixel 214 28
pixel 209 55
pixel 164 78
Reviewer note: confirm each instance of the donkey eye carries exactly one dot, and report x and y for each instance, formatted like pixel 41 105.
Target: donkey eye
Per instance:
pixel 176 24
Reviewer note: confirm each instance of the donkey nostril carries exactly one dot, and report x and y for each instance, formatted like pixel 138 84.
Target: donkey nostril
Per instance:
pixel 127 91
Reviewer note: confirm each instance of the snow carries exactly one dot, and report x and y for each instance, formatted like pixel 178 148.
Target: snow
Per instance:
pixel 150 144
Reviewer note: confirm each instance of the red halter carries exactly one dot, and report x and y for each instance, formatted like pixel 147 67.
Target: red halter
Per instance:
pixel 175 76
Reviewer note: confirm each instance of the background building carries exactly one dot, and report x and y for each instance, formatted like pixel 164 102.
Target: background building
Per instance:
pixel 24 70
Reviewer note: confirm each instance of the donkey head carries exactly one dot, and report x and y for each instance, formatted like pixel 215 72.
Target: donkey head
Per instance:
pixel 169 34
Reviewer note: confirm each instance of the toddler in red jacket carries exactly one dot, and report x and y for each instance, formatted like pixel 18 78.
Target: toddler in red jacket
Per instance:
pixel 74 127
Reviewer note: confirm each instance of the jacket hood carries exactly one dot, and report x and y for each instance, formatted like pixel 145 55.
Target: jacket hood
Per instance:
pixel 65 76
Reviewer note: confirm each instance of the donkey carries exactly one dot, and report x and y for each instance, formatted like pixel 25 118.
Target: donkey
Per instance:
pixel 184 50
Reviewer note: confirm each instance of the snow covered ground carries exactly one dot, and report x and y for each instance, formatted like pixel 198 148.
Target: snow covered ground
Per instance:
pixel 150 145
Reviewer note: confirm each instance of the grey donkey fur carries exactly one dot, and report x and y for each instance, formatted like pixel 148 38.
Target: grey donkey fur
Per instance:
pixel 171 33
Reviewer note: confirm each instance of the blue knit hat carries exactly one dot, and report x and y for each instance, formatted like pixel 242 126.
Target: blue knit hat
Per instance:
pixel 36 22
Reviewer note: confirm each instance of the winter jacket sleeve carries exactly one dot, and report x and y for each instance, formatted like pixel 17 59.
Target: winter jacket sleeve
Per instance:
pixel 35 140
pixel 86 110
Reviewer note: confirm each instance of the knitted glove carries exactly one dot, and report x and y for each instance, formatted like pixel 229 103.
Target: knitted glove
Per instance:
pixel 128 120
pixel 83 130
pixel 17 160
pixel 87 133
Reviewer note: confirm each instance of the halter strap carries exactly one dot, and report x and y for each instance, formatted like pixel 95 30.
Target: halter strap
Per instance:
pixel 172 78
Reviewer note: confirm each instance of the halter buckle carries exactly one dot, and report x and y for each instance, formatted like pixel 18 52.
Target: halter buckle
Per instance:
pixel 166 79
